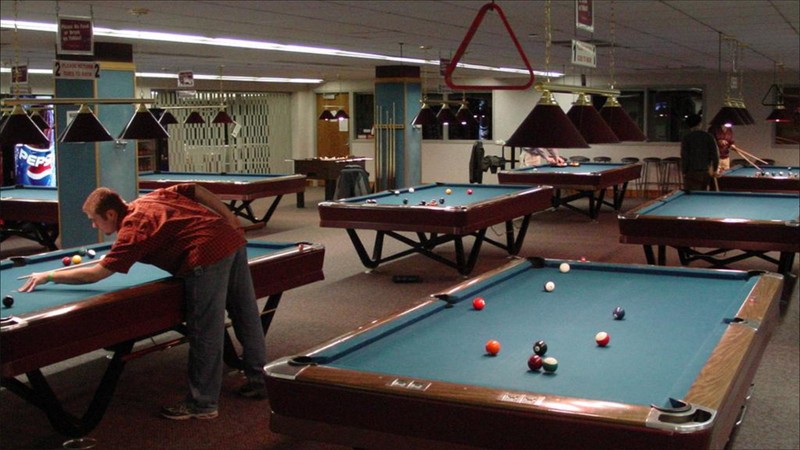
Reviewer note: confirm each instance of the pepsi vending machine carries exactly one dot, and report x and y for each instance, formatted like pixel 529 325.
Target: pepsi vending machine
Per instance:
pixel 36 166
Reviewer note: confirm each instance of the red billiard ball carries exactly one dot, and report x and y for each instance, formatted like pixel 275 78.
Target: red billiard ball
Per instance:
pixel 583 259
pixel 66 260
pixel 602 338
pixel 492 347
pixel 469 191
pixel 478 303
pixel 535 362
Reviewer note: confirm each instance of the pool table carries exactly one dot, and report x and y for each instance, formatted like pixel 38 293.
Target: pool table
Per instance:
pixel 590 180
pixel 469 210
pixel 58 322
pixel 675 374
pixel 240 190
pixel 769 178
pixel 30 212
pixel 754 223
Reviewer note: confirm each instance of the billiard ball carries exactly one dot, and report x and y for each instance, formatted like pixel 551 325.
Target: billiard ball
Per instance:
pixel 441 201
pixel 91 253
pixel 469 191
pixel 405 201
pixel 396 192
pixel 76 259
pixel 583 259
pixel 82 251
pixel 422 203
pixel 66 260
pixel 540 348
pixel 618 313
pixel 492 347
pixel 564 267
pixel 411 190
pixel 550 364
pixel 479 303
pixel 8 301
pixel 448 191
pixel 535 362
pixel 549 286
pixel 602 338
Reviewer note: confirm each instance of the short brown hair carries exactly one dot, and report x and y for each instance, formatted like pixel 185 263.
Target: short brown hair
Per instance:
pixel 102 200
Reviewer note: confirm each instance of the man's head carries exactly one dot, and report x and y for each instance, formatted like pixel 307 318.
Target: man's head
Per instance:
pixel 105 208
pixel 693 120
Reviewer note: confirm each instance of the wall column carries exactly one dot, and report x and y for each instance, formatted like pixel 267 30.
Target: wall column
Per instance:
pixel 398 145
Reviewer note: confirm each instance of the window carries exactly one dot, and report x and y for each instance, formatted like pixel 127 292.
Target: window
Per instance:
pixel 479 104
pixel 658 112
pixel 364 115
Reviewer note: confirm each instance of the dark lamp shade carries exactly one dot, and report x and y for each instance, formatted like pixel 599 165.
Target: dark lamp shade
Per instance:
pixel 728 115
pixel 85 128
pixel 195 118
pixel 167 119
pixel 591 126
pixel 446 115
pixel 143 125
pixel 326 116
pixel 39 121
pixel 620 122
pixel 222 117
pixel 18 128
pixel 779 115
pixel 742 110
pixel 547 126
pixel 424 117
pixel 341 115
pixel 464 115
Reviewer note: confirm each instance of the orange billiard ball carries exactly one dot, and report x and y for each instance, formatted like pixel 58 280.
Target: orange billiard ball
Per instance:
pixel 492 347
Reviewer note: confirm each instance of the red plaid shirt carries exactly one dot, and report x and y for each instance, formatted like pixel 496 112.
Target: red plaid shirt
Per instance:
pixel 169 229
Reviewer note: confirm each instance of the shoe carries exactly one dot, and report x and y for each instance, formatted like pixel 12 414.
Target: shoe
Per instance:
pixel 183 411
pixel 253 390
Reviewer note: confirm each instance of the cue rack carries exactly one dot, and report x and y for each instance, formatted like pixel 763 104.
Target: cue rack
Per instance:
pixel 386 127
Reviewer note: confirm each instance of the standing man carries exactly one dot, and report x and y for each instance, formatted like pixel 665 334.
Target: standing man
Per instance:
pixel 699 156
pixel 187 231
pixel 723 133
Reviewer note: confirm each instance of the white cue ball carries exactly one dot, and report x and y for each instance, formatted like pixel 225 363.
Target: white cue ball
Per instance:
pixel 411 190
pixel 564 267
pixel 549 286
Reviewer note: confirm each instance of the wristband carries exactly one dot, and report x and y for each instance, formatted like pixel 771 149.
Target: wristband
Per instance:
pixel 50 277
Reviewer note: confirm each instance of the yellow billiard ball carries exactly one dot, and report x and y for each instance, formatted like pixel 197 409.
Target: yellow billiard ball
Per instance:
pixel 76 259
pixel 448 191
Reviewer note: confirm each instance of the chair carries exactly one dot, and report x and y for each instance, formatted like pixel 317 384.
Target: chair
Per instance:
pixel 353 182
pixel 638 181
pixel 651 164
pixel 671 177
pixel 476 163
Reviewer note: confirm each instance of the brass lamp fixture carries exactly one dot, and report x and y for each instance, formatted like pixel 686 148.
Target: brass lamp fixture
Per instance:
pixel 18 128
pixel 167 118
pixel 194 118
pixel 779 114
pixel 547 125
pixel 85 127
pixel 143 125
pixel 464 116
pixel 446 116
pixel 733 111
pixel 222 116
pixel 612 112
pixel 589 123
pixel 425 116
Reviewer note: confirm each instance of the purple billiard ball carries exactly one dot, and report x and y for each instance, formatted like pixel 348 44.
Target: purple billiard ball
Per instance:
pixel 618 313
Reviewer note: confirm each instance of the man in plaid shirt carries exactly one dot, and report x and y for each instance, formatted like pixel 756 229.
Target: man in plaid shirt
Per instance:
pixel 187 231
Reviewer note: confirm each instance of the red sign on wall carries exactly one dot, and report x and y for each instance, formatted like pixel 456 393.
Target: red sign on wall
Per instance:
pixel 75 36
pixel 584 15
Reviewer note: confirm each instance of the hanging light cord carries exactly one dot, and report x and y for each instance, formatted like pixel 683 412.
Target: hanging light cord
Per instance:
pixel 613 31
pixel 548 38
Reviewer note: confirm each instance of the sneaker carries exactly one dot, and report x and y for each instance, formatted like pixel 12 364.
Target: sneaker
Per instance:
pixel 253 390
pixel 182 411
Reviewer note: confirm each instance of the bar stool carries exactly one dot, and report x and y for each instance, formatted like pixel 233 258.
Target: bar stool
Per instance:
pixel 671 174
pixel 651 164
pixel 602 159
pixel 580 159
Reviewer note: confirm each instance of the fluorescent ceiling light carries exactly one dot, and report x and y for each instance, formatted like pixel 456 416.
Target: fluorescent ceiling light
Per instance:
pixel 256 45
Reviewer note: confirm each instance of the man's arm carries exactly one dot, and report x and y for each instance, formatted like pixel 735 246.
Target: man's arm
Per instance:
pixel 212 202
pixel 83 275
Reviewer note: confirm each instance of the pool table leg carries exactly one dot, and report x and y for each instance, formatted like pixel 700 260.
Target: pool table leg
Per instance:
pixel 650 256
pixel 41 395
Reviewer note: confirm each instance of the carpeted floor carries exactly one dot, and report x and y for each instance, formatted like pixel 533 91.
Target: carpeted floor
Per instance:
pixel 348 297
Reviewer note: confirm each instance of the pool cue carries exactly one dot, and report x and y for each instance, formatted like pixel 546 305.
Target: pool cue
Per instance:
pixel 74 266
